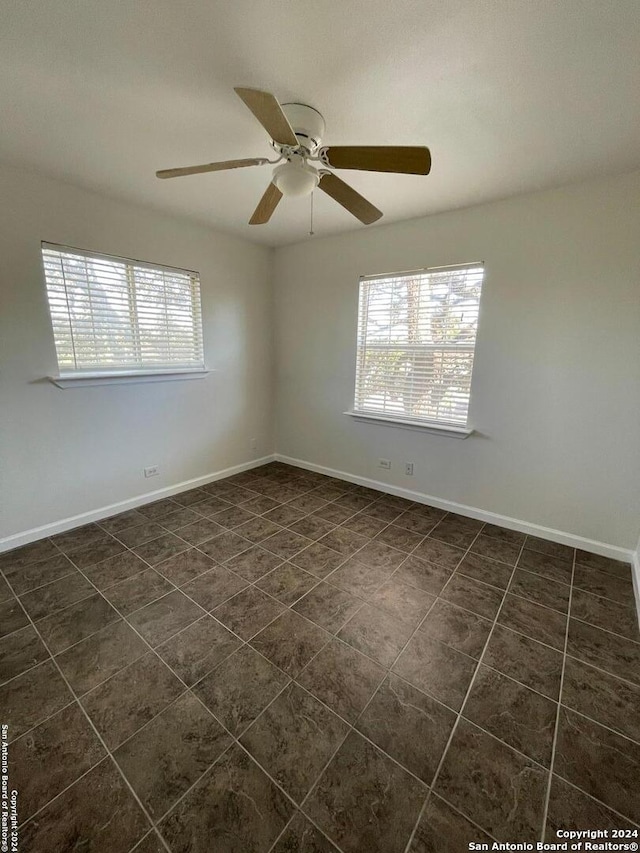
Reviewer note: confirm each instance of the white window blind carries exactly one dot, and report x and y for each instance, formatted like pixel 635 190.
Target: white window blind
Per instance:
pixel 416 340
pixel 114 315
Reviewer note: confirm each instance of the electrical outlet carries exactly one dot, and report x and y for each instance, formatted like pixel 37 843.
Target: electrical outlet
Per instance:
pixel 408 469
pixel 253 444
pixel 152 471
pixel 384 463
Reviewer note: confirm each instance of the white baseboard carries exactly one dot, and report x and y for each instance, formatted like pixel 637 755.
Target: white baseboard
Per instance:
pixel 635 574
pixel 602 548
pixel 27 536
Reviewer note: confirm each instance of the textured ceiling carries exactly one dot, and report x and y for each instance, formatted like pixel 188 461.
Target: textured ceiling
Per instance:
pixel 510 95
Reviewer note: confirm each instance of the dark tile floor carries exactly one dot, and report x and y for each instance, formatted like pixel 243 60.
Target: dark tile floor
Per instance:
pixel 284 662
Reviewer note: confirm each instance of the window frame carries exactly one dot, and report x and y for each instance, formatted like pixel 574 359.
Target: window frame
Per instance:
pixel 114 373
pixel 372 417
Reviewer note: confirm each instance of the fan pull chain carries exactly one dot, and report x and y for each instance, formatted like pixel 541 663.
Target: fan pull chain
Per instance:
pixel 311 218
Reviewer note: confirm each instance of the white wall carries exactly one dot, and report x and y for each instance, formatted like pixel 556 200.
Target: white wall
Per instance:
pixel 72 451
pixel 556 386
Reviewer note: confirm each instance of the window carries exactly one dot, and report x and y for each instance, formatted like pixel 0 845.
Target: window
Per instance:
pixel 416 340
pixel 117 316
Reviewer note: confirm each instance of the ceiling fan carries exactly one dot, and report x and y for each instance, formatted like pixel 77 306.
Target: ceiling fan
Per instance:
pixel 296 132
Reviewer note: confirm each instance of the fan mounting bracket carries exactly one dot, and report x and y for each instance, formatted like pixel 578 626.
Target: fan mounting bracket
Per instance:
pixel 308 126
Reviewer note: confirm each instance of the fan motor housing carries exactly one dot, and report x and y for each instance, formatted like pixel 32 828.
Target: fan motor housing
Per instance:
pixel 307 123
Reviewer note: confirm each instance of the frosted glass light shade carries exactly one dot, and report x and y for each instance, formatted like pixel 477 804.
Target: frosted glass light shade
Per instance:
pixel 295 179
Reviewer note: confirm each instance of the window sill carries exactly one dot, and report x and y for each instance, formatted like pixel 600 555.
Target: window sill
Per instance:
pixel 81 380
pixel 435 429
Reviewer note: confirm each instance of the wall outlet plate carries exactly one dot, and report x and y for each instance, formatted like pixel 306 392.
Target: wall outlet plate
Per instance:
pixel 384 463
pixel 152 471
pixel 408 469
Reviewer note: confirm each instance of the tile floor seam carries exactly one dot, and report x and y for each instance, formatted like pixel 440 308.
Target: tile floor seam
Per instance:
pixel 533 601
pixel 464 701
pixel 499 589
pixel 635 684
pixel 608 631
pixel 235 741
pixel 277 616
pixel 558 709
pixel 477 667
pixel 437 597
pixel 602 725
pixel 517 681
pixel 452 710
pixel 351 727
pixel 600 802
pixel 538 575
pixel 97 734
pixel 615 601
pixel 193 600
pixel 209 613
pixel 313 785
pixel 152 832
pixel 43 585
pixel 341 524
pixel 298 808
pixel 251 583
pixel 53 612
pixel 350 730
pixel 408 845
pixel 149 646
pixel 353 556
pixel 283 831
pixel 515 749
pixel 164 815
pixel 187 689
pixel 456 809
pixel 43 720
pixel 430 787
pixel 63 791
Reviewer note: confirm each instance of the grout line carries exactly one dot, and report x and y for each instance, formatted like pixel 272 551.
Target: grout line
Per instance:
pixel 616 732
pixel 422 621
pixel 427 799
pixel 43 720
pixel 72 570
pixel 97 734
pixel 366 540
pixel 605 671
pixel 154 832
pixel 600 802
pixel 165 814
pixel 457 810
pixel 533 601
pixel 465 698
pixel 282 831
pixel 433 780
pixel 557 723
pixel 187 690
pixel 607 630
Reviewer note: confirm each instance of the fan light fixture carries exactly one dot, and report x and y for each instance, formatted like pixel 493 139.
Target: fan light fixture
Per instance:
pixel 295 178
pixel 296 132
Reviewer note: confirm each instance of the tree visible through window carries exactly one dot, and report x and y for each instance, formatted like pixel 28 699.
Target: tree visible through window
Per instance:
pixel 113 315
pixel 416 341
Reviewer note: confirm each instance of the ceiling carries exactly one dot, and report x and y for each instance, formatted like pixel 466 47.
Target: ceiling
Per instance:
pixel 510 96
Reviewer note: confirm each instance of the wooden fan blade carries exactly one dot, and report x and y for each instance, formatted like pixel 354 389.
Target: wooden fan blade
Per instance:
pixel 266 206
pixel 211 167
pixel 349 199
pixel 379 158
pixel 269 113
